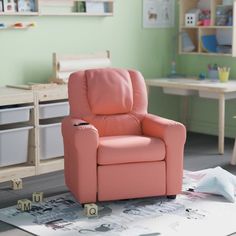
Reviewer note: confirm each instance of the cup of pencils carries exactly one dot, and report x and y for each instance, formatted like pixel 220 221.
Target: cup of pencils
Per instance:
pixel 213 72
pixel 223 74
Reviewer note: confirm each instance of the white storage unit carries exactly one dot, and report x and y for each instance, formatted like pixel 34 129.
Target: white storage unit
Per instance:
pixel 14 114
pixel 51 142
pixel 14 146
pixel 51 110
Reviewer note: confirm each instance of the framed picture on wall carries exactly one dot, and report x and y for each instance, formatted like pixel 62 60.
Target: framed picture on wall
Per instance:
pixel 158 13
pixel 9 5
pixel 26 5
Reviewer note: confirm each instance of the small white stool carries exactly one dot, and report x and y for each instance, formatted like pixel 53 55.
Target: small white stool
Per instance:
pixel 233 159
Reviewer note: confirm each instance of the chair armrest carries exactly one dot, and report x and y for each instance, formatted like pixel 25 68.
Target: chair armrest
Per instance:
pixel 174 136
pixel 80 157
pixel 168 130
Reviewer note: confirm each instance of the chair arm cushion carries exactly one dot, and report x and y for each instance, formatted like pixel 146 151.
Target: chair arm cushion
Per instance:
pixel 174 135
pixel 77 128
pixel 168 130
pixel 80 148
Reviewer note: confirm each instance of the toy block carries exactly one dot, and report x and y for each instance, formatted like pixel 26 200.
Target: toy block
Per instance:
pixel 191 17
pixel 24 204
pixel 16 184
pixel 90 210
pixel 37 197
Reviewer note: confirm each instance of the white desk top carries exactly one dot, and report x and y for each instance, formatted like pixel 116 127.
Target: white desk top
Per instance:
pixel 193 84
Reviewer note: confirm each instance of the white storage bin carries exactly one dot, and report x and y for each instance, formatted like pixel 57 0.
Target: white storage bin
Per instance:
pixel 14 146
pixel 51 141
pixel 50 110
pixel 14 114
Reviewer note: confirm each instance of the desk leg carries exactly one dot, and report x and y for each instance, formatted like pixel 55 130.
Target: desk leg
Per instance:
pixel 233 159
pixel 221 136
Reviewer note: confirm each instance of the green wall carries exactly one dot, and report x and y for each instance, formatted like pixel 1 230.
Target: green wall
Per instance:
pixel 26 55
pixel 204 112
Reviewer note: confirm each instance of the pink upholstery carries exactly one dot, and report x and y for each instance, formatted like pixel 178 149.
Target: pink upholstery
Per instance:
pixel 129 123
pixel 80 161
pixel 130 149
pixel 123 152
pixel 131 180
pixel 123 124
pixel 116 99
pixel 174 135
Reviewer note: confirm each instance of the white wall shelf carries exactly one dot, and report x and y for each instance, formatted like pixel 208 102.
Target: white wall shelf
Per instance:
pixel 67 8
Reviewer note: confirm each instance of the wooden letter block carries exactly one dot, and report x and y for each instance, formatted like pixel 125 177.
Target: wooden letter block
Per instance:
pixel 24 204
pixel 37 197
pixel 16 184
pixel 90 210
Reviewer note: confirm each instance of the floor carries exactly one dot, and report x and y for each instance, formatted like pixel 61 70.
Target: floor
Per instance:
pixel 200 153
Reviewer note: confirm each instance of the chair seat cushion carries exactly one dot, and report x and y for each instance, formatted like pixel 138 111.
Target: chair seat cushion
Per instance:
pixel 130 149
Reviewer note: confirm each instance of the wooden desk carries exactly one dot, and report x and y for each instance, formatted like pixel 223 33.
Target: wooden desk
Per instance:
pixel 203 88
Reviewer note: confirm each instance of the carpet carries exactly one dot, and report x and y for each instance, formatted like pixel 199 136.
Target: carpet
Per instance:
pixel 189 214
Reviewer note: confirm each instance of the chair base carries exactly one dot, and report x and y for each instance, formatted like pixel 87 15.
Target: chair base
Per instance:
pixel 171 197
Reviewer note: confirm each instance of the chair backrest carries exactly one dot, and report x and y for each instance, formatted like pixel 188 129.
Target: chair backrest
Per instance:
pixel 113 100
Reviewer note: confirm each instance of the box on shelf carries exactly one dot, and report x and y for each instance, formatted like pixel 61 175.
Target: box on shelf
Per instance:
pixel 95 7
pixel 191 17
pixel 224 15
pixel 13 114
pixel 14 146
pixel 51 142
pixel 51 110
pixel 9 5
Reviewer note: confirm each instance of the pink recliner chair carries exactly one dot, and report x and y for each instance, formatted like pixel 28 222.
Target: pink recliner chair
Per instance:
pixel 113 148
